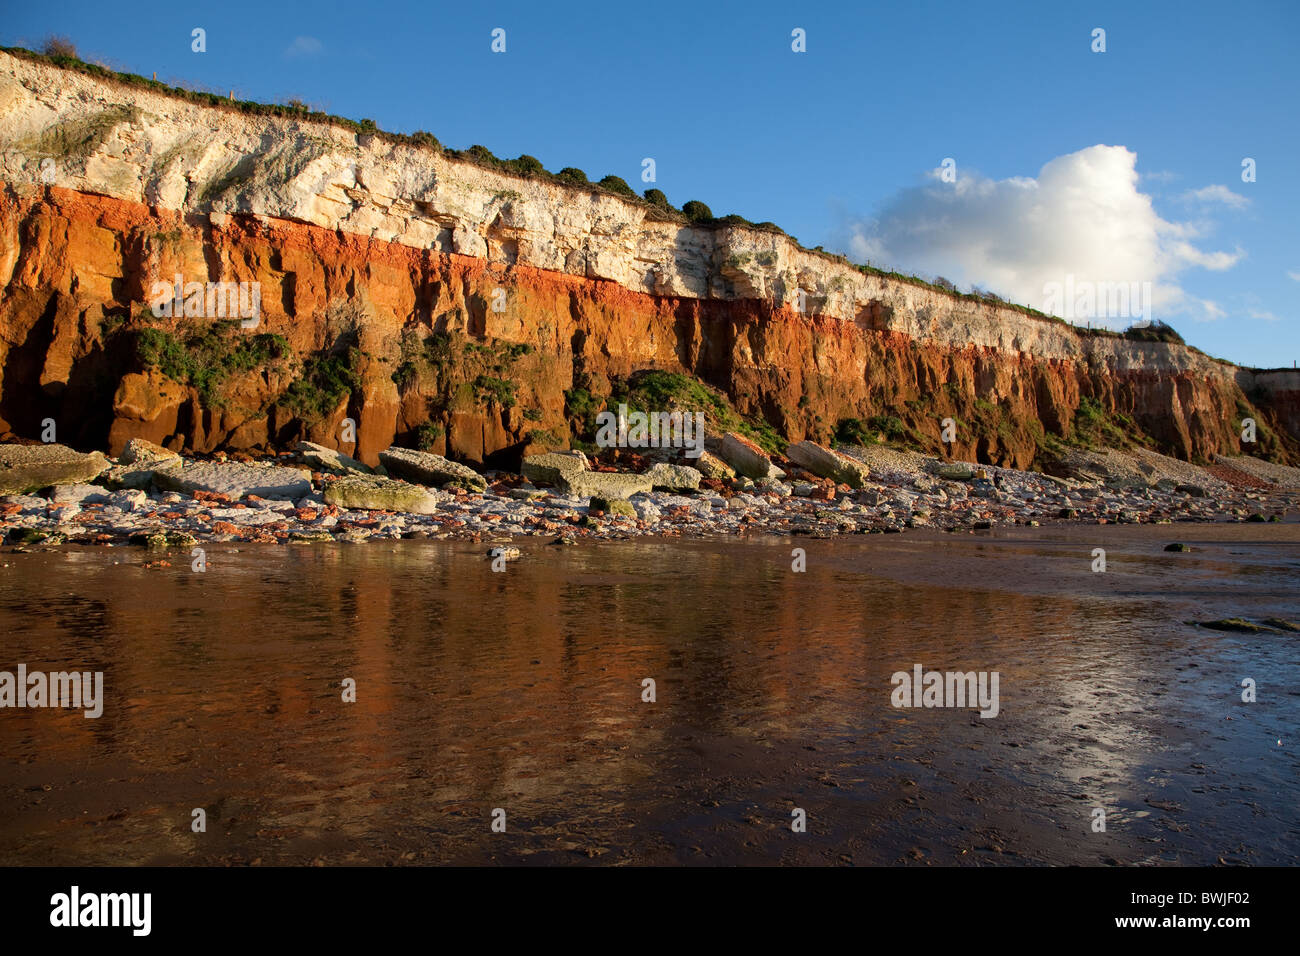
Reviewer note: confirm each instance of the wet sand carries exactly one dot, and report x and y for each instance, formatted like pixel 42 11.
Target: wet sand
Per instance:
pixel 522 690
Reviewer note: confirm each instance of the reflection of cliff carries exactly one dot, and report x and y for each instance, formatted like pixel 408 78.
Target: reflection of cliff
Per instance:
pixel 382 267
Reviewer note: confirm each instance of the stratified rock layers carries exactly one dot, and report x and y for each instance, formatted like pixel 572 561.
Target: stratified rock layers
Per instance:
pixel 384 253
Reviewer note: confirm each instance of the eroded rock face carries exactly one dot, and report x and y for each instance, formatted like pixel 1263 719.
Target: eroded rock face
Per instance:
pixel 366 248
pixel 27 468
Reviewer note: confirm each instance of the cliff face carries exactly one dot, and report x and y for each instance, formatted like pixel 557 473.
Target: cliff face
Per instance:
pixel 433 299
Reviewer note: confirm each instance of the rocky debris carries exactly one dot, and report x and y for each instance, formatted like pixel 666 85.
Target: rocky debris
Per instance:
pixel 236 480
pixel 320 458
pixel 1283 476
pixel 674 477
pixel 428 469
pixel 747 458
pixel 234 502
pixel 375 493
pixel 25 468
pixel 827 463
pixel 552 467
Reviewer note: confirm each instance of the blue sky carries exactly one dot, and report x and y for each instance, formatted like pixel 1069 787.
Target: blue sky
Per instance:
pixel 839 145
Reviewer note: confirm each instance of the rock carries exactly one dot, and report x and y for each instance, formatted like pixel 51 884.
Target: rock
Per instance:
pixel 1232 624
pixel 747 458
pixel 506 552
pixel 79 494
pixel 802 489
pixel 954 471
pixel 321 458
pixel 674 477
pixel 139 451
pixel 525 493
pixel 869 497
pixel 605 484
pixel 375 493
pixel 135 476
pixel 25 468
pixel 429 469
pixel 551 468
pixel 828 463
pixel 236 480
pixel 1257 517
pixel 613 506
pixel 1178 546
pixel 711 466
pixel 156 540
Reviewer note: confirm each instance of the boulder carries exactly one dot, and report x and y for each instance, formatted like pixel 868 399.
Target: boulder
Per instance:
pixel 826 463
pixel 373 493
pixel 954 471
pixel 25 468
pixel 711 466
pixel 425 468
pixel 605 484
pixel 674 477
pixel 79 494
pixel 138 451
pixel 1192 491
pixel 235 480
pixel 551 468
pixel 747 458
pixel 613 506
pixel 328 459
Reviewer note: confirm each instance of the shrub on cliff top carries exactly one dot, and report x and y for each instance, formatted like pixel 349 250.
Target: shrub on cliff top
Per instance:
pixel 59 46
pixel 1157 331
pixel 656 198
pixel 571 174
pixel 425 138
pixel 526 166
pixel 696 211
pixel 617 184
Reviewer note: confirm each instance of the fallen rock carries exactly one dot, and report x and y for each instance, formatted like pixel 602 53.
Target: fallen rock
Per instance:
pixel 374 493
pixel 674 477
pixel 954 471
pixel 1178 546
pixel 711 466
pixel 235 480
pixel 827 463
pixel 613 506
pixel 79 494
pixel 25 468
pixel 551 468
pixel 605 484
pixel 429 469
pixel 747 458
pixel 139 451
pixel 328 459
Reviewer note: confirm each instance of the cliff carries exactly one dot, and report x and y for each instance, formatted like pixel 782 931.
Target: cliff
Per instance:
pixel 435 300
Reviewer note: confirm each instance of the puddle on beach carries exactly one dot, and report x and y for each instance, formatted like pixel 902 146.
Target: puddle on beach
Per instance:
pixel 523 691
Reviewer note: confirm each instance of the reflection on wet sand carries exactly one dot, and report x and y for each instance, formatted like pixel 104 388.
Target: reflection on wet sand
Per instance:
pixel 523 691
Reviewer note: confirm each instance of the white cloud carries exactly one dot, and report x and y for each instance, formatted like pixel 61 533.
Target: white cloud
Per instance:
pixel 1082 216
pixel 1294 275
pixel 1217 193
pixel 304 46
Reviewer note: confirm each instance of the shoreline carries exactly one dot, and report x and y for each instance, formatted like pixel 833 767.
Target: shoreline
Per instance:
pixel 901 493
